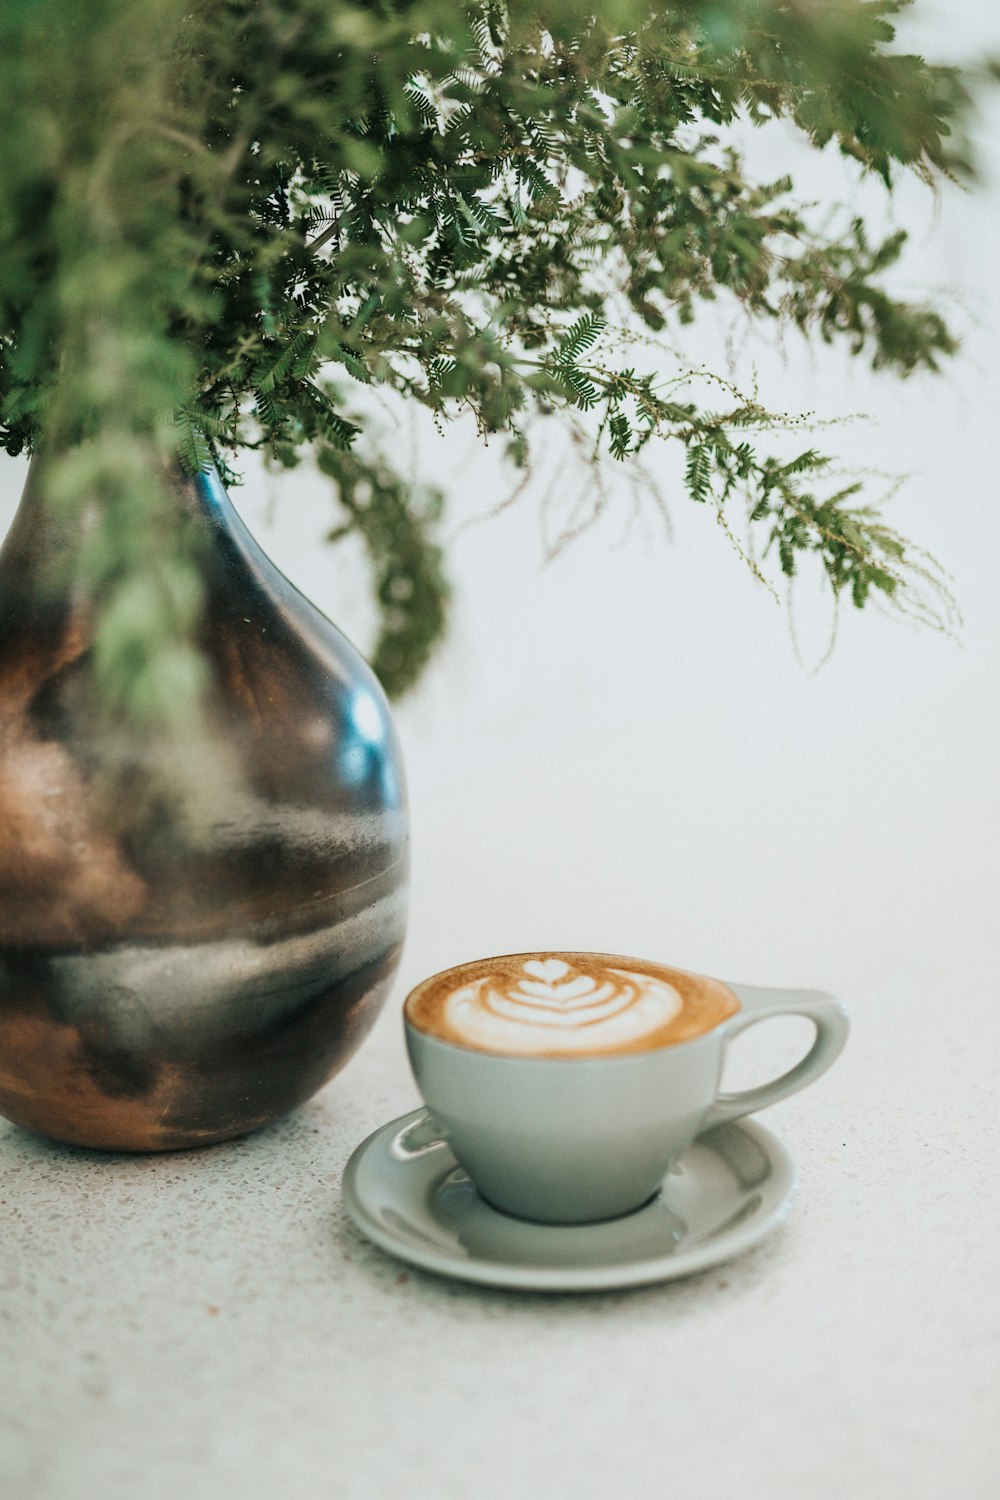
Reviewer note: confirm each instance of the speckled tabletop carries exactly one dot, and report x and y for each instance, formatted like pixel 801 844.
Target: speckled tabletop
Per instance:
pixel 210 1324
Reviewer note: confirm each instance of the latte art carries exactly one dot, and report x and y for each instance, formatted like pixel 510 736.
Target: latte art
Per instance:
pixel 567 1005
pixel 589 1014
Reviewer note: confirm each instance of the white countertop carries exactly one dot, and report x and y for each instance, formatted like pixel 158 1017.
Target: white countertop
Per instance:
pixel 211 1325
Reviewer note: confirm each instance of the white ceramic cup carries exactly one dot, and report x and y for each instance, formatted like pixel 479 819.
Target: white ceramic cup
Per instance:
pixel 577 1139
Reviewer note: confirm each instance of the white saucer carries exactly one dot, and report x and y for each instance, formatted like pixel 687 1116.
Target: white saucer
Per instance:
pixel 405 1192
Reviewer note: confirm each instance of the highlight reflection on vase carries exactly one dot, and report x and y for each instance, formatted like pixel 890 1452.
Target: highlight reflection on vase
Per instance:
pixel 174 976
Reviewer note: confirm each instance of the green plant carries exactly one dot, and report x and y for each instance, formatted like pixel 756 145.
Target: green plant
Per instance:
pixel 222 219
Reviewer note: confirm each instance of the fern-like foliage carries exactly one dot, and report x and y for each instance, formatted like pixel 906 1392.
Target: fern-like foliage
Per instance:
pixel 219 216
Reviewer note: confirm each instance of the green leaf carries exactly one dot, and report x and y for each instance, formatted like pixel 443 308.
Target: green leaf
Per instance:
pixel 582 336
pixel 193 448
pixel 297 358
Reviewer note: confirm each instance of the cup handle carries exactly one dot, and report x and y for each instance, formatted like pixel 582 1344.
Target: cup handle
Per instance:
pixel 827 1015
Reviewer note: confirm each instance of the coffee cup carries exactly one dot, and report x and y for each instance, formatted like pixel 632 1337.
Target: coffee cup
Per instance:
pixel 567 1084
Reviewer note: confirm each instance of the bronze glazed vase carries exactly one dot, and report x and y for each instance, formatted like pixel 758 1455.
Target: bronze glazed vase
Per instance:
pixel 176 973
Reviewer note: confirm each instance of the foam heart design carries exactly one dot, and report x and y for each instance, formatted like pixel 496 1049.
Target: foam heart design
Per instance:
pixel 566 996
pixel 547 969
pixel 551 1005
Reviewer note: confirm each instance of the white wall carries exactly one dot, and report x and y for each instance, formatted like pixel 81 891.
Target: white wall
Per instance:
pixel 619 749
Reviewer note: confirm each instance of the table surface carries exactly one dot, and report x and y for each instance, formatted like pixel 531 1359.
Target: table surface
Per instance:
pixel 211 1323
pixel 616 752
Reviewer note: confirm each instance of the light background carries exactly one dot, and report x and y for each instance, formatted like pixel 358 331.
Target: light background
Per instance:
pixel 620 749
pixel 628 747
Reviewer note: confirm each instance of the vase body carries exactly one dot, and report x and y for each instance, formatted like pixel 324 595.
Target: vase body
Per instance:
pixel 192 972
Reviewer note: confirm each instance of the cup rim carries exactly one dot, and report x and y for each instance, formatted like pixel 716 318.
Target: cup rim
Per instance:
pixel 588 1059
pixel 634 1057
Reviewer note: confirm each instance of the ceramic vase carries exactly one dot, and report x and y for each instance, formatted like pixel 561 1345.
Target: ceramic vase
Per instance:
pixel 176 971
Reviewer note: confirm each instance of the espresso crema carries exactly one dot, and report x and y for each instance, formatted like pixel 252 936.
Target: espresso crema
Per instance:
pixel 567 1005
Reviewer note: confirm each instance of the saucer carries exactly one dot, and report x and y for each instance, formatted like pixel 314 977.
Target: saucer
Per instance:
pixel 406 1193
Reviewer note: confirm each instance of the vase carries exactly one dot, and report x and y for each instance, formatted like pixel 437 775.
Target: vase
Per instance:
pixel 176 971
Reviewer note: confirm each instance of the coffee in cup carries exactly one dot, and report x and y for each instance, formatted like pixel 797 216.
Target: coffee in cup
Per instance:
pixel 567 1083
pixel 567 1005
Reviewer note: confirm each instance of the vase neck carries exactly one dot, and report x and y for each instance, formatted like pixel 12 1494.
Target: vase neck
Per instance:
pixel 47 539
